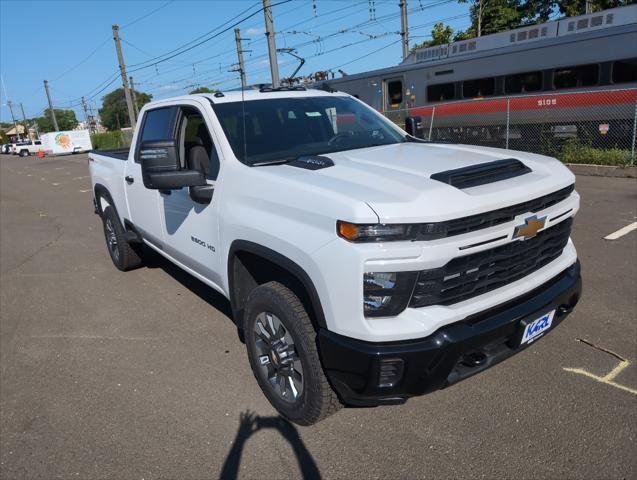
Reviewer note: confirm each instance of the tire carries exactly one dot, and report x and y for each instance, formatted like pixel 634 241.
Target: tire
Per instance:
pixel 24 153
pixel 287 366
pixel 124 256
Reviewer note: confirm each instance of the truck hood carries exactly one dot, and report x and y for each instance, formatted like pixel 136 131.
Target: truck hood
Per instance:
pixel 394 180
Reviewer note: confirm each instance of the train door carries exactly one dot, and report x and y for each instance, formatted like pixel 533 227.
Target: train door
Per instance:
pixel 394 100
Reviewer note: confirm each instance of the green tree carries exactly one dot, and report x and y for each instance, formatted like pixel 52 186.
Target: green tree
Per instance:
pixel 65 118
pixel 571 8
pixel 202 90
pixel 440 35
pixel 114 112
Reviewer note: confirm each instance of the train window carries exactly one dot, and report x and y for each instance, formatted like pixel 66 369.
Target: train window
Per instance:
pixel 481 87
pixel 394 93
pixel 440 92
pixel 625 71
pixel 573 77
pixel 523 82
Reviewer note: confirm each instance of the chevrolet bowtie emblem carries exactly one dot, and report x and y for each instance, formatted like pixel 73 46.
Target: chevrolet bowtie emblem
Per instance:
pixel 529 228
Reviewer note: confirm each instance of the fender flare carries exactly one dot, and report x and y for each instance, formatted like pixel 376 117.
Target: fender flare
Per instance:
pixel 281 261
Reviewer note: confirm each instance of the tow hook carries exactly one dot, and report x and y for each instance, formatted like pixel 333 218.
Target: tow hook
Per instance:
pixel 474 359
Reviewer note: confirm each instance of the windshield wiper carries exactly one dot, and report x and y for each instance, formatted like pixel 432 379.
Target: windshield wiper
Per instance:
pixel 278 161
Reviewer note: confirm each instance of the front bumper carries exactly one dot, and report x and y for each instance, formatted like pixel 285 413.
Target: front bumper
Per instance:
pixel 368 373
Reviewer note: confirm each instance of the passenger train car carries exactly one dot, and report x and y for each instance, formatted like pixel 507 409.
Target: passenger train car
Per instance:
pixel 571 77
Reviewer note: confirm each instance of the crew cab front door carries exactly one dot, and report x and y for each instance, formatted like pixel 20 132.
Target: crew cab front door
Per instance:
pixel 191 229
pixel 143 203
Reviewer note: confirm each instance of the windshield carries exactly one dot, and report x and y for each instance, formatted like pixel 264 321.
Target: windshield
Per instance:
pixel 284 128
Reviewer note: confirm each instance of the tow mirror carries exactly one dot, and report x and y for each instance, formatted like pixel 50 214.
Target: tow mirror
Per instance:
pixel 161 169
pixel 413 126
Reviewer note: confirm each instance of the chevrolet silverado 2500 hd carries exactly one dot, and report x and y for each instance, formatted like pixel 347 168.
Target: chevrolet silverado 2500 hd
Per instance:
pixel 363 266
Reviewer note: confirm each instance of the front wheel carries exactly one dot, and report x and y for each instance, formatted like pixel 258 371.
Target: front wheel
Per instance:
pixel 281 344
pixel 24 153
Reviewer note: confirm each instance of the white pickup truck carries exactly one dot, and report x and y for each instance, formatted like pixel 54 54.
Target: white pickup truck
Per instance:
pixel 363 266
pixel 24 149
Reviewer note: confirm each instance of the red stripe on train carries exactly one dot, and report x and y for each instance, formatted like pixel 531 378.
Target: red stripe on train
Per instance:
pixel 537 102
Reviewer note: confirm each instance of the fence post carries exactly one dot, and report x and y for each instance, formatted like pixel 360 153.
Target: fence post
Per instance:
pixel 431 126
pixel 632 152
pixel 507 134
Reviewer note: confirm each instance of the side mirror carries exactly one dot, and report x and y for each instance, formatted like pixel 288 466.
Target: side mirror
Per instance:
pixel 202 193
pixel 413 126
pixel 161 169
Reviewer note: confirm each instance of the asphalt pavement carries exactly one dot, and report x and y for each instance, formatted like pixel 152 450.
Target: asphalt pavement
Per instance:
pixel 141 375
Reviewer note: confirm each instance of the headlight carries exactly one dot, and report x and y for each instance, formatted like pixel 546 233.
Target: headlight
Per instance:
pixel 386 294
pixel 387 232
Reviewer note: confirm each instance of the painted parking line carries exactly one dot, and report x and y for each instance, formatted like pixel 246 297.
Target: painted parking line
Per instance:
pixel 609 378
pixel 621 232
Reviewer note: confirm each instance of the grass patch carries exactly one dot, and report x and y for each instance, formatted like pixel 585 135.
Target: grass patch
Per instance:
pixel 574 151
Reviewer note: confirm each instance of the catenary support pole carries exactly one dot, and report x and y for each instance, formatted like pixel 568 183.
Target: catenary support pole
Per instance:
pixel 24 121
pixel 269 33
pixel 242 70
pixel 48 97
pixel 122 68
pixel 404 28
pixel 15 124
pixel 134 95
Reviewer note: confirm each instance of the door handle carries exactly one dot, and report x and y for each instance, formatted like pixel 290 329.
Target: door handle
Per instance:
pixel 129 179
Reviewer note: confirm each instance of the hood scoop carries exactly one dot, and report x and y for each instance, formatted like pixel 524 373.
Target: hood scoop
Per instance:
pixel 482 174
pixel 312 162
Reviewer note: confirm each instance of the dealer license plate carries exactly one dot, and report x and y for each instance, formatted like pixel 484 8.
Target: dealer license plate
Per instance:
pixel 537 328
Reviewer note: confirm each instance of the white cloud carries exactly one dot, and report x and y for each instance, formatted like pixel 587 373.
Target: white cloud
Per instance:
pixel 253 32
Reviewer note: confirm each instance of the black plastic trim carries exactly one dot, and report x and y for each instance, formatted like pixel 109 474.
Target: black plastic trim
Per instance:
pixel 440 360
pixel 281 261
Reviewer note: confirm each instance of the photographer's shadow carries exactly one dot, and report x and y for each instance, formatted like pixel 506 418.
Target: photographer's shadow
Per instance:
pixel 251 423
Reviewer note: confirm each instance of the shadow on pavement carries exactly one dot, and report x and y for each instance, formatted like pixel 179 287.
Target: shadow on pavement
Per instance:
pixel 250 424
pixel 213 298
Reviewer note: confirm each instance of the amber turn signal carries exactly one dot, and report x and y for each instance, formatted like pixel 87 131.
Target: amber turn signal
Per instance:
pixel 348 231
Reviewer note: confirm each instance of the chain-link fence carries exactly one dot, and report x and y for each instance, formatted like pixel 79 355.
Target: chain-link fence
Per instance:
pixel 580 127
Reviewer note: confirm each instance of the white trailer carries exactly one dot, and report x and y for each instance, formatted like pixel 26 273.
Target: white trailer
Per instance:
pixel 70 141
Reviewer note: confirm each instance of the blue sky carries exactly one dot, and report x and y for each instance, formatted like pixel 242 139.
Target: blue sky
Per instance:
pixel 69 43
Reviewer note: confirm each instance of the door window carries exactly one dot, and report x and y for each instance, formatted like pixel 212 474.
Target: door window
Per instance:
pixel 196 145
pixel 394 93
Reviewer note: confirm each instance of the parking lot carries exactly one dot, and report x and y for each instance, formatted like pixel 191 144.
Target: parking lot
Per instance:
pixel 141 374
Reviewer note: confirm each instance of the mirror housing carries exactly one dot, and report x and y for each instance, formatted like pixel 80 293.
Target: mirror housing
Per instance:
pixel 413 126
pixel 161 169
pixel 201 193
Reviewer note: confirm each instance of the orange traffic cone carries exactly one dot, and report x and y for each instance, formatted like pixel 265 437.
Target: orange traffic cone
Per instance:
pixel 40 153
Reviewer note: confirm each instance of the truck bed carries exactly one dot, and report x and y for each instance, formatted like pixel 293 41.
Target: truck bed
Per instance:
pixel 119 153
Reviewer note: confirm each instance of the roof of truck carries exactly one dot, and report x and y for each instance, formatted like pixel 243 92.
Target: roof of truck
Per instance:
pixel 247 95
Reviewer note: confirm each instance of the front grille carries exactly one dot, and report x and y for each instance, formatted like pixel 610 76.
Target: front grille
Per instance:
pixel 472 223
pixel 482 272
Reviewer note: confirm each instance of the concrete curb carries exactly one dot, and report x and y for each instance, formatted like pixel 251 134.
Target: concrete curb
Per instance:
pixel 602 170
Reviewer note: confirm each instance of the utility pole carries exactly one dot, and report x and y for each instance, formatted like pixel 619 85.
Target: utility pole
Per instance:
pixel 24 121
pixel 48 96
pixel 132 91
pixel 589 7
pixel 87 119
pixel 269 33
pixel 242 70
pixel 122 68
pixel 404 28
pixel 15 124
pixel 479 18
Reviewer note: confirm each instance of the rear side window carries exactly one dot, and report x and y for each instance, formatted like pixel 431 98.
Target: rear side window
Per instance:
pixel 481 87
pixel 440 92
pixel 573 77
pixel 159 124
pixel 625 71
pixel 523 82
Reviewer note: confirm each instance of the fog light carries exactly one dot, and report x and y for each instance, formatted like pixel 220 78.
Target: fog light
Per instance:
pixel 386 294
pixel 390 372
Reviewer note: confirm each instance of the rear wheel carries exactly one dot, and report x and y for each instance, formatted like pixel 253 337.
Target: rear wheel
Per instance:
pixel 124 255
pixel 24 153
pixel 281 343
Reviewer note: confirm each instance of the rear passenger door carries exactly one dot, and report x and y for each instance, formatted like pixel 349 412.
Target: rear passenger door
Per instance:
pixel 191 229
pixel 143 203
